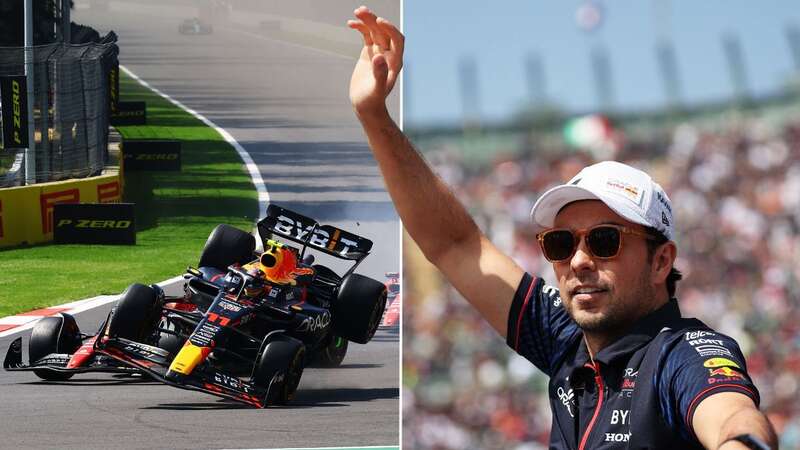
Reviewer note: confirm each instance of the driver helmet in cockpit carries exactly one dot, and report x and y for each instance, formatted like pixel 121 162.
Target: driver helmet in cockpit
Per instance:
pixel 278 264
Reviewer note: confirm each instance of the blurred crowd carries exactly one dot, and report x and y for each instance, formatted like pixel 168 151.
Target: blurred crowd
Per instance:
pixel 735 190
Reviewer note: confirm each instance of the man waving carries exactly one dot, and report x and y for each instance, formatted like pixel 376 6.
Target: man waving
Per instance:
pixel 626 370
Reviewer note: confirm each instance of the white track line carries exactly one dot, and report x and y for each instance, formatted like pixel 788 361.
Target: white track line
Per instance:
pixel 79 306
pixel 255 175
pixel 27 322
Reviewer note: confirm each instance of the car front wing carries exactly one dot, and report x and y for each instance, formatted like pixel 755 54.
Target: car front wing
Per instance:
pixel 155 361
pixel 58 362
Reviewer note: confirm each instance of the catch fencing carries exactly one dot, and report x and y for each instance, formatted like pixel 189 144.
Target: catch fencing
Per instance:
pixel 71 110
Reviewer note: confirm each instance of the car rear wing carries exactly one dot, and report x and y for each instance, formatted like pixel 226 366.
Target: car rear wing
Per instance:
pixel 304 230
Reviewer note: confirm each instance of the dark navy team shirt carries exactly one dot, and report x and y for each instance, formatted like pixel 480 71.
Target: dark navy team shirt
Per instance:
pixel 591 400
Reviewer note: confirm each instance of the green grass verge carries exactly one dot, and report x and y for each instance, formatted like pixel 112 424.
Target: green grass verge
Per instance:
pixel 174 214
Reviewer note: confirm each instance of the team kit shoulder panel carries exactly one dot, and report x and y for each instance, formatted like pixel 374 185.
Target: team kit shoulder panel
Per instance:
pixel 591 400
pixel 702 362
pixel 539 328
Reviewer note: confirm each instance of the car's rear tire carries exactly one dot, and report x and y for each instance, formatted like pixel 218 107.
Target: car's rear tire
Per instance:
pixel 333 353
pixel 56 334
pixel 136 314
pixel 279 368
pixel 358 308
pixel 227 245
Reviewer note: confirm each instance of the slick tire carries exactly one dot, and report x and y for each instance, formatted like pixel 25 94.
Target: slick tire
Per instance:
pixel 358 308
pixel 279 368
pixel 136 314
pixel 333 353
pixel 227 245
pixel 169 341
pixel 57 334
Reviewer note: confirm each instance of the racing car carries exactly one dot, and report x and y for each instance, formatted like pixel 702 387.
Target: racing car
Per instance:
pixel 195 26
pixel 58 350
pixel 391 316
pixel 249 323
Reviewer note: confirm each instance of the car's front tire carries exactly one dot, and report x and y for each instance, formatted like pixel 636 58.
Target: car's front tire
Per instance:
pixel 57 334
pixel 169 341
pixel 136 314
pixel 278 368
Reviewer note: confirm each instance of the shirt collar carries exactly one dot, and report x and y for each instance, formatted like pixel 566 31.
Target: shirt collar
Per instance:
pixel 643 331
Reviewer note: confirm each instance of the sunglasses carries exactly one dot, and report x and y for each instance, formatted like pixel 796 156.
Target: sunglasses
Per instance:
pixel 603 241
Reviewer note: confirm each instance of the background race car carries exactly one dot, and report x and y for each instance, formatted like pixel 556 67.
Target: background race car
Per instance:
pixel 195 26
pixel 391 316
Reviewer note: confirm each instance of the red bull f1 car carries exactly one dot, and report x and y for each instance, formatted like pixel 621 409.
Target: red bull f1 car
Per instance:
pixel 246 325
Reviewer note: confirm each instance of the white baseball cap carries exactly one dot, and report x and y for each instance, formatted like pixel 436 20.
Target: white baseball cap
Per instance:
pixel 629 192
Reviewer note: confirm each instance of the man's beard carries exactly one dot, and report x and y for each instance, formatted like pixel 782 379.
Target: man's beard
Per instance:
pixel 612 318
pixel 619 313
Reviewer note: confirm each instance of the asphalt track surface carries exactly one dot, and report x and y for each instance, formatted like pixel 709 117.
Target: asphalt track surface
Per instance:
pixel 283 96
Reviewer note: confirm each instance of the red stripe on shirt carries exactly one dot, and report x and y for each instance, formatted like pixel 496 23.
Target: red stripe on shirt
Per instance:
pixel 690 410
pixel 522 312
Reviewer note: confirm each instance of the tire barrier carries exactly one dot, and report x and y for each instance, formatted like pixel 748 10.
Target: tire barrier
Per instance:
pixel 71 108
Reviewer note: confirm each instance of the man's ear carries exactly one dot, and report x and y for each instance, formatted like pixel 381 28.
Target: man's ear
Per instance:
pixel 663 260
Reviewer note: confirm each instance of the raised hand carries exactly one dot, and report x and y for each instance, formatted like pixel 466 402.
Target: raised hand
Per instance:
pixel 378 65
